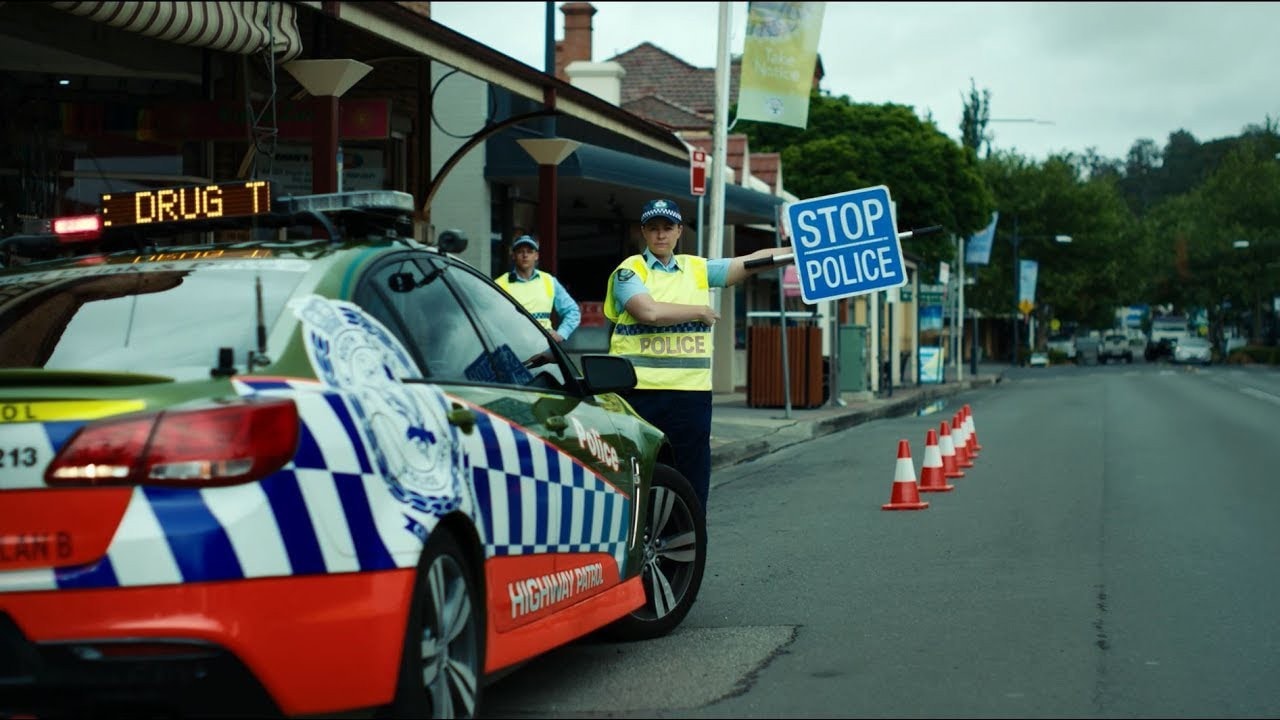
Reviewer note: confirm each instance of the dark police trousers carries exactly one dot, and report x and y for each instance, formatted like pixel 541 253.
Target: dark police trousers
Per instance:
pixel 685 417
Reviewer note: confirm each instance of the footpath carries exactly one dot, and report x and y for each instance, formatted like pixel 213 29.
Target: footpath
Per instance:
pixel 740 433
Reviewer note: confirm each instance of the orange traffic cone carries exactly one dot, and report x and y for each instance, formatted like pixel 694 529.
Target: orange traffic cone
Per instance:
pixel 906 496
pixel 948 449
pixel 932 478
pixel 973 431
pixel 958 438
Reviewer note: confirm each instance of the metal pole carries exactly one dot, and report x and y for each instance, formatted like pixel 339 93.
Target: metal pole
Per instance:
pixel 782 316
pixel 702 230
pixel 1017 292
pixel 973 351
pixel 960 310
pixel 889 310
pixel 833 366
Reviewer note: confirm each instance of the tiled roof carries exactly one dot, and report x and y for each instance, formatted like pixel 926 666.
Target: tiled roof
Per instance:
pixel 654 71
pixel 658 110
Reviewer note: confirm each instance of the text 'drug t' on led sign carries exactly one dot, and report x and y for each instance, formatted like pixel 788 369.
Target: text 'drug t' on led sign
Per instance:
pixel 186 204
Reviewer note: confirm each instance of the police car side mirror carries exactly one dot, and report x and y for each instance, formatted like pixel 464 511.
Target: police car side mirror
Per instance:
pixel 608 373
pixel 452 241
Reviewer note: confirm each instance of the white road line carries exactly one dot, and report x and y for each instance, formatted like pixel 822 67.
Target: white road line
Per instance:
pixel 1261 394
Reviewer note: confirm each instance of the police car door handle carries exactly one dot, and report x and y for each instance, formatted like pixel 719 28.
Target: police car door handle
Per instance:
pixel 463 418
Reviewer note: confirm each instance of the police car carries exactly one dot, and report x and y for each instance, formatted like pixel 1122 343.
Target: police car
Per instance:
pixel 264 455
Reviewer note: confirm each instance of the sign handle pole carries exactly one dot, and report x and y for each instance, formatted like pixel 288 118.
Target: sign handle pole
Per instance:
pixel 782 317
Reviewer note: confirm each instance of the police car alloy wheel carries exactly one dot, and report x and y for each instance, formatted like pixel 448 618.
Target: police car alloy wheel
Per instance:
pixel 675 553
pixel 440 672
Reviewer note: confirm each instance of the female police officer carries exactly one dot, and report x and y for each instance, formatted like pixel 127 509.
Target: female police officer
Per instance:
pixel 660 304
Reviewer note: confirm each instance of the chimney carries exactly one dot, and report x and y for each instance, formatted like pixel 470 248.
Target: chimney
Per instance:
pixel 603 80
pixel 577 36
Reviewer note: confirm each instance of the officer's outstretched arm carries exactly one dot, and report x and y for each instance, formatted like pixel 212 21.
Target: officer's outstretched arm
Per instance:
pixel 644 308
pixel 738 270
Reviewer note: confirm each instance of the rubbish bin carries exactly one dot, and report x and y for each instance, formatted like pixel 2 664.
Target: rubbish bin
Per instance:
pixel 765 384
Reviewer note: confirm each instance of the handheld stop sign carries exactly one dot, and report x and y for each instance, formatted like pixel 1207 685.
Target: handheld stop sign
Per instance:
pixel 845 244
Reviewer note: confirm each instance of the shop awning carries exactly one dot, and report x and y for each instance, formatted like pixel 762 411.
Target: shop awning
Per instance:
pixel 595 177
pixel 244 28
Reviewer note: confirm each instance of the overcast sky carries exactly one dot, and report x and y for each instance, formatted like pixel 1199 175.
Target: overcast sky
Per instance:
pixel 1103 73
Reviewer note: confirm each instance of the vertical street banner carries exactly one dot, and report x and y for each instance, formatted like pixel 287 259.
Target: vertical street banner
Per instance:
pixel 1027 285
pixel 778 56
pixel 931 367
pixel 978 250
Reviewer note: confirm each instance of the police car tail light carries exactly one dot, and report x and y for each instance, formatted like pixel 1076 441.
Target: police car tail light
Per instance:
pixel 223 445
pixel 77 227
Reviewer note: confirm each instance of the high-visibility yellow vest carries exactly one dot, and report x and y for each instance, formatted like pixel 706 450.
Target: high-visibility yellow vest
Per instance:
pixel 536 297
pixel 671 357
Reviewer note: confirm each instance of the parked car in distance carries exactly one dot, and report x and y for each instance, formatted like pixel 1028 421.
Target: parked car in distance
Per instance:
pixel 1193 349
pixel 1064 344
pixel 1087 348
pixel 1161 349
pixel 1038 359
pixel 1115 346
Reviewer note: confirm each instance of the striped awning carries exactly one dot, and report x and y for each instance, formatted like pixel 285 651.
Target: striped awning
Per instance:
pixel 245 28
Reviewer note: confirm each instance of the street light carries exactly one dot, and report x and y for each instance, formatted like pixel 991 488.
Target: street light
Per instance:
pixel 1017 284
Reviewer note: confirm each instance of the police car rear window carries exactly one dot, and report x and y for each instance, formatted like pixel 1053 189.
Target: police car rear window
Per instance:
pixel 162 318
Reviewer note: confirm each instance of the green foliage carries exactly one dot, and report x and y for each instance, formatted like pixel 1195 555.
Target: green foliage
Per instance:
pixel 1080 282
pixel 1191 239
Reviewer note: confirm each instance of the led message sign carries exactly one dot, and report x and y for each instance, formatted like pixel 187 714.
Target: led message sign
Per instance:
pixel 186 204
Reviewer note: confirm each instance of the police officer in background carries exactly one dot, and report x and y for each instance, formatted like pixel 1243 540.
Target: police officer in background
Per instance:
pixel 539 292
pixel 659 303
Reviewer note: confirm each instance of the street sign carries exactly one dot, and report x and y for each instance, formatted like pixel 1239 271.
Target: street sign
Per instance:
pixel 932 294
pixel 846 244
pixel 697 172
pixel 1025 306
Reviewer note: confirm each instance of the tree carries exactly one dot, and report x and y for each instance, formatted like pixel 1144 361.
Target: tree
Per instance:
pixel 976 117
pixel 1079 283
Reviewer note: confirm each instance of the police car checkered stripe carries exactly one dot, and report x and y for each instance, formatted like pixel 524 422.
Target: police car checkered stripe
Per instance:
pixel 140 558
pixel 328 511
pixel 588 513
pixel 370 551
pixel 294 521
pixel 200 545
pixel 245 514
pixel 324 507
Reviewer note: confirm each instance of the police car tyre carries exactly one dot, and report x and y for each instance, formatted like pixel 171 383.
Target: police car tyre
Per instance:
pixel 442 662
pixel 674 536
